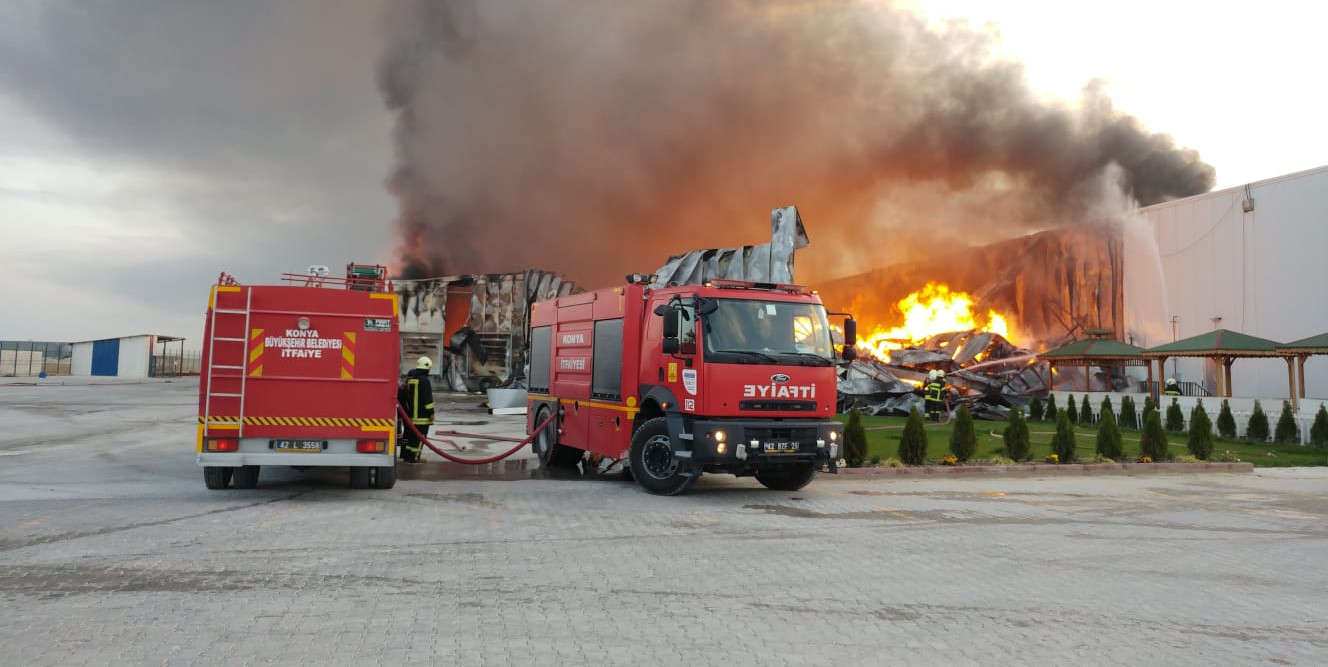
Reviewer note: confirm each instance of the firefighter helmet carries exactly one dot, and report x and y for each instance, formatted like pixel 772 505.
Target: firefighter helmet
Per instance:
pixel 424 363
pixel 934 375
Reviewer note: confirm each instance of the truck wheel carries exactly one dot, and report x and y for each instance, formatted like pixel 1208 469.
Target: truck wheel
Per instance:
pixel 654 466
pixel 787 479
pixel 217 477
pixel 550 453
pixel 386 477
pixel 359 478
pixel 246 477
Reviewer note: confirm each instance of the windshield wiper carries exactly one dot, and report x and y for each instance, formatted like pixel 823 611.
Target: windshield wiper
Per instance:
pixel 820 360
pixel 751 353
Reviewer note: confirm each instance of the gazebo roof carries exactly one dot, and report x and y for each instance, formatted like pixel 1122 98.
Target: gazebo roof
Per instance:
pixel 1094 349
pixel 1219 343
pixel 1314 344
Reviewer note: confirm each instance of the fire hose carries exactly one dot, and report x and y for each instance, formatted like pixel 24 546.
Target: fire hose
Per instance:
pixel 475 462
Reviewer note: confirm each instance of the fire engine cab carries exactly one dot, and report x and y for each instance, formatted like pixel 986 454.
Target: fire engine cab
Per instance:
pixel 301 374
pixel 731 376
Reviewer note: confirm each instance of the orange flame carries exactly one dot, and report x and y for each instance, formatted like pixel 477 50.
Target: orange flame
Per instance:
pixel 934 309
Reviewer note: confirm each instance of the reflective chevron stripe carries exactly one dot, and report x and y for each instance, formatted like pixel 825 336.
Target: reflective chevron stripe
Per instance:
pixel 344 422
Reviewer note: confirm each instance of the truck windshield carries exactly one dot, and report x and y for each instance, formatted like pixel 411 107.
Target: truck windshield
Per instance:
pixel 749 331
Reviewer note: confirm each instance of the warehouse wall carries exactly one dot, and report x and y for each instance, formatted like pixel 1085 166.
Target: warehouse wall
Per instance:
pixel 136 356
pixel 1204 263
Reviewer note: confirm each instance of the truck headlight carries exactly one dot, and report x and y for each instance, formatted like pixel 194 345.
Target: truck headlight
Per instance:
pixel 720 436
pixel 834 436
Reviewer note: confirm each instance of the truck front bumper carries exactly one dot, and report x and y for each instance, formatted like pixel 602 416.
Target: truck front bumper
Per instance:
pixel 758 443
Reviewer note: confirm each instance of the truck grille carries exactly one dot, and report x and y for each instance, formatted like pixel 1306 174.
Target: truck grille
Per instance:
pixel 795 406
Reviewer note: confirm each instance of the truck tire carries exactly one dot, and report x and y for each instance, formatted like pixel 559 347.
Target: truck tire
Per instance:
pixel 359 478
pixel 654 466
pixel 550 453
pixel 386 477
pixel 217 477
pixel 787 479
pixel 246 477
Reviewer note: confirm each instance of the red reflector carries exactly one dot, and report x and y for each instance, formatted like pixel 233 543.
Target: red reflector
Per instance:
pixel 370 446
pixel 223 445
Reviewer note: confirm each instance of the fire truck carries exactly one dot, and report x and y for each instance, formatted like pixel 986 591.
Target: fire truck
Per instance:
pixel 300 374
pixel 731 376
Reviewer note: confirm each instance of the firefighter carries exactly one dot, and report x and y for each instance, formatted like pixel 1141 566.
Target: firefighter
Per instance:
pixel 1172 388
pixel 416 396
pixel 934 392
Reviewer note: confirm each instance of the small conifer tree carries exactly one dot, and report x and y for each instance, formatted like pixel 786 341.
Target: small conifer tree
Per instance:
pixel 1085 412
pixel 1226 423
pixel 1175 417
pixel 1287 430
pixel 1108 434
pixel 1153 439
pixel 1035 409
pixel 964 438
pixel 913 442
pixel 1149 403
pixel 1015 436
pixel 1319 430
pixel 1201 433
pixel 1050 413
pixel 1072 410
pixel 855 440
pixel 1129 416
pixel 1257 428
pixel 1106 405
pixel 1062 444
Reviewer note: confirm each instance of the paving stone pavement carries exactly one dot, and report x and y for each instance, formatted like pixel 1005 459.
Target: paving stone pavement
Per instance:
pixel 112 552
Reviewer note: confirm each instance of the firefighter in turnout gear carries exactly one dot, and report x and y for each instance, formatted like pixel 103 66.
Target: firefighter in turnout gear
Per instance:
pixel 934 392
pixel 416 396
pixel 1172 387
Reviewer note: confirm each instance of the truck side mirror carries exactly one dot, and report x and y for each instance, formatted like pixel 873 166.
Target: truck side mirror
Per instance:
pixel 671 345
pixel 850 351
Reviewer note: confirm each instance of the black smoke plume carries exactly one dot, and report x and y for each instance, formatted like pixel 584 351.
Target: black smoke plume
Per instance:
pixel 597 138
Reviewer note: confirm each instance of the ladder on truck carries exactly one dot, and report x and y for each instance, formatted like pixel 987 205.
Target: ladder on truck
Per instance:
pixel 239 369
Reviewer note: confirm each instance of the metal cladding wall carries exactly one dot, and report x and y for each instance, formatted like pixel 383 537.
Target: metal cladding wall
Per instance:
pixel 130 356
pixel 1250 259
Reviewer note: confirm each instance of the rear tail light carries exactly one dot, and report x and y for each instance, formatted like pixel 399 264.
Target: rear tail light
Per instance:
pixel 370 446
pixel 223 444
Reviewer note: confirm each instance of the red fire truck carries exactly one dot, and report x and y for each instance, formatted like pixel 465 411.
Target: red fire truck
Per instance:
pixel 300 374
pixel 731 376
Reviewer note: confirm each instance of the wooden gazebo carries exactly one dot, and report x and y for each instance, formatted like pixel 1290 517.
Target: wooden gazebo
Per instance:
pixel 1300 351
pixel 1095 352
pixel 1225 347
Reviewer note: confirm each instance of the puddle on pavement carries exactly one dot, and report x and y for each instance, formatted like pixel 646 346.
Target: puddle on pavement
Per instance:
pixel 500 471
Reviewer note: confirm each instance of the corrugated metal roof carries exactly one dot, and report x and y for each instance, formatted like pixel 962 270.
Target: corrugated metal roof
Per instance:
pixel 1094 348
pixel 1217 343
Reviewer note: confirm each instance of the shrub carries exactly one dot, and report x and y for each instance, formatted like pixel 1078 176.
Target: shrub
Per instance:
pixel 1129 418
pixel 1226 424
pixel 1062 444
pixel 1098 458
pixel 1050 413
pixel 1105 406
pixel 1016 436
pixel 855 440
pixel 1257 428
pixel 1108 436
pixel 1001 461
pixel 1072 410
pixel 1149 404
pixel 1186 458
pixel 1288 431
pixel 892 462
pixel 1201 433
pixel 1319 431
pixel 1085 412
pixel 1153 440
pixel 913 442
pixel 964 438
pixel 1175 417
pixel 1035 409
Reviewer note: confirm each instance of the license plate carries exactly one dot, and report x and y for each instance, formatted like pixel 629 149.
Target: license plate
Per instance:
pixel 781 447
pixel 298 445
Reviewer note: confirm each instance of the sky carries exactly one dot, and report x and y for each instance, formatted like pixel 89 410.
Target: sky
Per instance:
pixel 148 145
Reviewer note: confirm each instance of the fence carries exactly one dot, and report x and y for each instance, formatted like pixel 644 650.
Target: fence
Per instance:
pixel 33 358
pixel 176 364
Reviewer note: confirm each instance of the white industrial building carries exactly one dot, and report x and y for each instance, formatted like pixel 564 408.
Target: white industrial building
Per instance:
pixel 1251 259
pixel 127 356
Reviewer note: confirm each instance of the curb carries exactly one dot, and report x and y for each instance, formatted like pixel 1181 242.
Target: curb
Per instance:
pixel 1056 469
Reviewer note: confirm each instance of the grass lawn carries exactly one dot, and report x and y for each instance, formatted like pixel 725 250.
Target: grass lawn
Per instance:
pixel 883 441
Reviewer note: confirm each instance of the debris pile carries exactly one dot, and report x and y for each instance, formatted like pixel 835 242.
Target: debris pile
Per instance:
pixel 984 370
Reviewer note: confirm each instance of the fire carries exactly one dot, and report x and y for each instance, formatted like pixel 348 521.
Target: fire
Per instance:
pixel 934 309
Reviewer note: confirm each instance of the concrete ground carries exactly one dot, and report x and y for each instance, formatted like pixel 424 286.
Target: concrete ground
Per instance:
pixel 113 552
